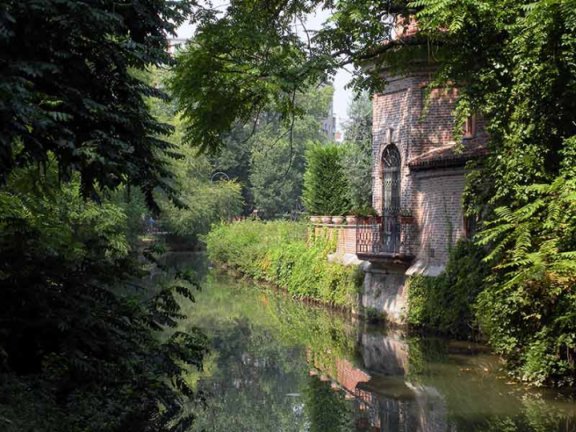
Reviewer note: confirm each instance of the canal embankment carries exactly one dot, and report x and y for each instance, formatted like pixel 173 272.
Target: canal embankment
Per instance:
pixel 289 256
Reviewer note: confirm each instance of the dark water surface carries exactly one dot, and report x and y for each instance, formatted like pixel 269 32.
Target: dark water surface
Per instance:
pixel 280 365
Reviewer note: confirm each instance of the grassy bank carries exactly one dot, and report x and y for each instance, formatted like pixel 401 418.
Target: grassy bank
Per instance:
pixel 281 253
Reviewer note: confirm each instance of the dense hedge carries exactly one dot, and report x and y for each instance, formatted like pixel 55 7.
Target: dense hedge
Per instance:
pixel 279 252
pixel 326 189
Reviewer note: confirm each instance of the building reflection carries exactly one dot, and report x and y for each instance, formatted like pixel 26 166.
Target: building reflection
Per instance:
pixel 361 379
pixel 432 385
pixel 384 400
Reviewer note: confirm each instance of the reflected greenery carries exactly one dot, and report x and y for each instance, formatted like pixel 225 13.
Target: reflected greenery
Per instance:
pixel 253 384
pixel 327 409
pixel 257 371
pixel 282 365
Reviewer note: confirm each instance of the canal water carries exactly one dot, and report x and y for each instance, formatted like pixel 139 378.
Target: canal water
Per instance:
pixel 277 364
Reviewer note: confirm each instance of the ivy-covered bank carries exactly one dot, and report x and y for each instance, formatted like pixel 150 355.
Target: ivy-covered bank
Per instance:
pixel 530 325
pixel 445 303
pixel 283 254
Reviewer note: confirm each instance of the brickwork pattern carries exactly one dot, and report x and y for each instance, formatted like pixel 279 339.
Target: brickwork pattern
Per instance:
pixel 345 236
pixel 439 213
pixel 349 376
pixel 403 116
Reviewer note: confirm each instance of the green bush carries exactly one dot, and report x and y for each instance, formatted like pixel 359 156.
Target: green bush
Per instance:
pixel 528 309
pixel 445 303
pixel 79 345
pixel 279 252
pixel 326 190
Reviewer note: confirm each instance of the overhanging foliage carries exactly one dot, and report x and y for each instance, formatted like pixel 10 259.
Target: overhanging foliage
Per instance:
pixel 67 88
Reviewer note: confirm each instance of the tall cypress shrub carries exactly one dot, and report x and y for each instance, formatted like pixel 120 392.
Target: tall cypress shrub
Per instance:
pixel 325 184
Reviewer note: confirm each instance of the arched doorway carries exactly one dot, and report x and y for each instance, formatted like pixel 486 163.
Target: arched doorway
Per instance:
pixel 391 199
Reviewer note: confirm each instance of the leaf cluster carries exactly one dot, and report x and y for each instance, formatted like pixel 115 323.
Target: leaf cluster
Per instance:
pixel 69 86
pixel 266 156
pixel 258 54
pixel 79 338
pixel 514 64
pixel 239 64
pixel 445 303
pixel 533 252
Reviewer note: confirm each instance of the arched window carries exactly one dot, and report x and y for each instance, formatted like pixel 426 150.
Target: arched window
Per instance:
pixel 391 198
pixel 391 157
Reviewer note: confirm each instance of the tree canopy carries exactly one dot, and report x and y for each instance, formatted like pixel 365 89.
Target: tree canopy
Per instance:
pixel 68 88
pixel 266 156
pixel 79 327
pixel 259 54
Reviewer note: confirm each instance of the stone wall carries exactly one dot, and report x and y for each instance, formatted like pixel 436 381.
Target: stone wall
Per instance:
pixel 385 291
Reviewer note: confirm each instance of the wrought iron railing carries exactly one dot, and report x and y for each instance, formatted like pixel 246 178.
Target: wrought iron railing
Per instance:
pixel 375 236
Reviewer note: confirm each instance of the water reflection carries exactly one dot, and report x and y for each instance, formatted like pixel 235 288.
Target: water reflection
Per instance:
pixel 279 365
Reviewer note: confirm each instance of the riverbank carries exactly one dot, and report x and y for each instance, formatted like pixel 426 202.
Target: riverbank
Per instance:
pixel 286 255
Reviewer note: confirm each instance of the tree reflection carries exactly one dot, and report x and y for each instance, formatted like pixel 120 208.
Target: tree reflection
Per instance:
pixel 280 365
pixel 256 384
pixel 326 408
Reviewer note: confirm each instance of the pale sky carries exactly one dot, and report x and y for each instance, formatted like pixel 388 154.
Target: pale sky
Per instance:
pixel 342 97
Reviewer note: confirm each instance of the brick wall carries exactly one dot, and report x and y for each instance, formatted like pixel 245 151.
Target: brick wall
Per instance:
pixel 394 114
pixel 439 215
pixel 433 128
pixel 403 116
pixel 349 376
pixel 416 128
pixel 345 236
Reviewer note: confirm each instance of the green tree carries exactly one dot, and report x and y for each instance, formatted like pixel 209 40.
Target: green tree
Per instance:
pixel 358 156
pixel 277 177
pixel 327 409
pixel 278 162
pixel 325 185
pixel 200 202
pixel 80 344
pixel 253 55
pixel 523 82
pixel 78 341
pixel 514 63
pixel 67 88
pixel 266 156
pixel 234 158
pixel 358 127
pixel 206 202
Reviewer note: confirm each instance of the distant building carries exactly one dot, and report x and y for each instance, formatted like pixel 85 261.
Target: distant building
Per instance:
pixel 329 124
pixel 175 43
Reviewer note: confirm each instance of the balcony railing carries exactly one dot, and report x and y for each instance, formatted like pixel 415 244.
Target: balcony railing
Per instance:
pixel 386 238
